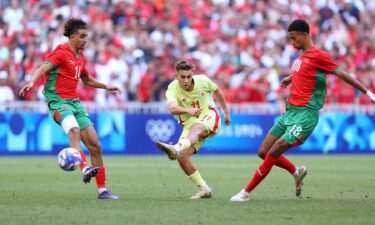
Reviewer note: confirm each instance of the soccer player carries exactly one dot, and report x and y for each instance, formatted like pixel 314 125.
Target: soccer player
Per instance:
pixel 307 94
pixel 63 68
pixel 190 98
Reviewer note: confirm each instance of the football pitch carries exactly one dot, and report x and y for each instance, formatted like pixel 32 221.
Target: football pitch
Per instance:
pixel 153 190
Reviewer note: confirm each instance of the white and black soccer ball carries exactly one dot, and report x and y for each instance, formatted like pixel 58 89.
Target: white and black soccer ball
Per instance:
pixel 69 159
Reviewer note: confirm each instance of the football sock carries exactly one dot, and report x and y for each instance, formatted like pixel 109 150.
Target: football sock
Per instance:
pixel 83 164
pixel 284 163
pixel 197 179
pixel 101 190
pixel 261 172
pixel 182 144
pixel 83 170
pixel 100 178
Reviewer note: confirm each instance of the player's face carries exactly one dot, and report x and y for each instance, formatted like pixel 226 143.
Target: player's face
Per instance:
pixel 185 79
pixel 297 39
pixel 79 39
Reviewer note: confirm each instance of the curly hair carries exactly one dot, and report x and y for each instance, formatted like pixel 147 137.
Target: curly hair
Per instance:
pixel 184 65
pixel 299 26
pixel 72 25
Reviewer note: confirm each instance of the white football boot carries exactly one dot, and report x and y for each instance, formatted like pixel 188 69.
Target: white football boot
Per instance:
pixel 298 178
pixel 167 148
pixel 242 196
pixel 204 192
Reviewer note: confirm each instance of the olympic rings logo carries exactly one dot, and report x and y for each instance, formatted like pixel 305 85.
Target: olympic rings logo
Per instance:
pixel 160 130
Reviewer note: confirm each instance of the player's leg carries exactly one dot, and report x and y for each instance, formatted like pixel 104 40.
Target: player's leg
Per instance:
pixel 184 159
pixel 276 150
pixel 282 128
pixel 70 124
pixel 91 140
pixel 300 124
pixel 195 128
pixel 188 138
pixel 63 114
pixel 207 124
pixel 281 161
pixel 263 170
pixel 196 131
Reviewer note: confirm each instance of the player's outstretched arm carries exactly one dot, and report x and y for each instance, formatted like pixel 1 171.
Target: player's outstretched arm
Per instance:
pixel 221 99
pixel 92 82
pixel 34 78
pixel 343 75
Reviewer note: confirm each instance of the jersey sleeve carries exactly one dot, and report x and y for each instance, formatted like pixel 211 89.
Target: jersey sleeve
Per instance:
pixel 327 64
pixel 210 84
pixel 55 59
pixel 171 96
pixel 84 71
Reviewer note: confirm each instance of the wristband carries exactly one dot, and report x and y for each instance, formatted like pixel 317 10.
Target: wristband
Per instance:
pixel 371 95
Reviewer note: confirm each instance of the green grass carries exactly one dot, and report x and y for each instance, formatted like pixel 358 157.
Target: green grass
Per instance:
pixel 338 190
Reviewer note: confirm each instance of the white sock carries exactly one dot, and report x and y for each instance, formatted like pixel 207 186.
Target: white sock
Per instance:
pixel 205 186
pixel 296 173
pixel 101 190
pixel 84 169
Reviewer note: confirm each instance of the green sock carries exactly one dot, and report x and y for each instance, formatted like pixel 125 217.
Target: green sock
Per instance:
pixel 182 144
pixel 197 179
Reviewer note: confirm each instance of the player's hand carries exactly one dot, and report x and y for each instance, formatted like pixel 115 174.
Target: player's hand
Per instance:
pixel 285 81
pixel 194 112
pixel 26 88
pixel 227 119
pixel 114 89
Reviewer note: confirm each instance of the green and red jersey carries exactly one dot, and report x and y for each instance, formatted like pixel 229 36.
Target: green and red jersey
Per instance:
pixel 309 72
pixel 67 68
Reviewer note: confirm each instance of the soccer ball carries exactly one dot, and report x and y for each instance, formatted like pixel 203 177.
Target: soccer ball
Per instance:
pixel 69 159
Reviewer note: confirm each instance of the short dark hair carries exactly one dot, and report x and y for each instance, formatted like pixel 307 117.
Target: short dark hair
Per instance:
pixel 299 26
pixel 72 25
pixel 184 65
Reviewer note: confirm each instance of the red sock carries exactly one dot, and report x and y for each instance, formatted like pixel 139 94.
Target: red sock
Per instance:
pixel 261 172
pixel 100 178
pixel 84 160
pixel 284 163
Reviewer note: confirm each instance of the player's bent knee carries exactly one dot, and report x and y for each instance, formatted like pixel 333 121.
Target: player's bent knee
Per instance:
pixel 262 154
pixel 68 123
pixel 95 146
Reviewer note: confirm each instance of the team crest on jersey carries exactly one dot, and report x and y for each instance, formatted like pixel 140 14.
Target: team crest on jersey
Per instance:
pixel 184 100
pixel 202 93
pixel 65 108
pixel 306 60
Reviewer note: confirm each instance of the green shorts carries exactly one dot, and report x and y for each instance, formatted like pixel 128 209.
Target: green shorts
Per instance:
pixel 210 119
pixel 60 109
pixel 296 124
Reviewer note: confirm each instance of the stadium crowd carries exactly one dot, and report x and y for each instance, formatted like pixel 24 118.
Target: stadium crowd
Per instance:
pixel 241 44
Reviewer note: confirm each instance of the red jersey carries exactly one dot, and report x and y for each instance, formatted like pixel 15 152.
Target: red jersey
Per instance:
pixel 309 78
pixel 67 68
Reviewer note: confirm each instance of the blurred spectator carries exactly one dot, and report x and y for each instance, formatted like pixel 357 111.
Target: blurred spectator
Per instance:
pixel 260 87
pixel 6 92
pixel 349 13
pixel 135 43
